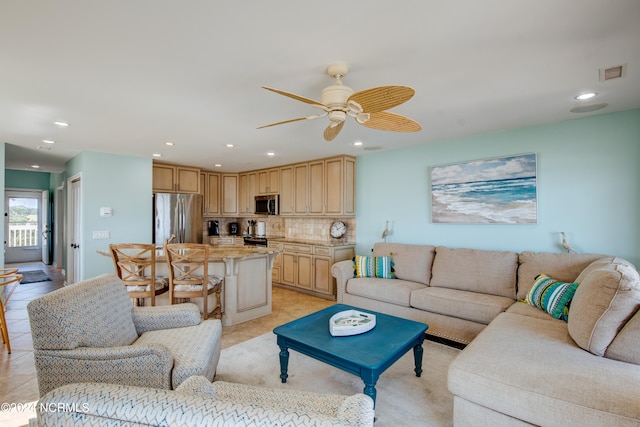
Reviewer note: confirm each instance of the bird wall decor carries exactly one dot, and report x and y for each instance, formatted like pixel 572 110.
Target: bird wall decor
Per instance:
pixel 385 233
pixel 566 244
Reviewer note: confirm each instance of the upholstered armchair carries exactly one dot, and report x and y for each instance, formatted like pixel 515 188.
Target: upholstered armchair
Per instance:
pixel 198 402
pixel 90 332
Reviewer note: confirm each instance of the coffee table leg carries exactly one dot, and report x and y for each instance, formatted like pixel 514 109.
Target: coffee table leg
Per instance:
pixel 370 390
pixel 417 357
pixel 284 363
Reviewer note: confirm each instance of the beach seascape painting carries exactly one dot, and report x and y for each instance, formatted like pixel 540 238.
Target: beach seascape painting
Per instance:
pixel 491 191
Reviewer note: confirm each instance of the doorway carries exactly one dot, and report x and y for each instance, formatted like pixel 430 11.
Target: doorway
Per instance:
pixel 26 226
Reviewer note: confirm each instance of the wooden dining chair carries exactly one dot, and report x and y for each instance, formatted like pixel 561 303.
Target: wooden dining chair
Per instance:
pixel 135 265
pixel 188 265
pixel 8 276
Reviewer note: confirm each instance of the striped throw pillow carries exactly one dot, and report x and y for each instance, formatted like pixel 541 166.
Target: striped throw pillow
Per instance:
pixel 373 266
pixel 552 296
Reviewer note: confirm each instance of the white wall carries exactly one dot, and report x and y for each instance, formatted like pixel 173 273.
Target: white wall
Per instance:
pixel 588 186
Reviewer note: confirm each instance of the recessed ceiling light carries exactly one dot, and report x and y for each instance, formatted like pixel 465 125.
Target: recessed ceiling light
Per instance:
pixel 48 141
pixel 358 143
pixel 169 144
pixel 270 153
pixel 229 145
pixel 35 166
pixel 157 155
pixel 61 124
pixel 585 96
pixel 589 108
pixel 217 165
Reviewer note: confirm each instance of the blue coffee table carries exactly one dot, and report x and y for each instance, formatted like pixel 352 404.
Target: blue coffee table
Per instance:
pixel 366 355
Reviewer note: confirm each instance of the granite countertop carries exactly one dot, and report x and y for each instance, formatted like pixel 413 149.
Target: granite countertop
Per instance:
pixel 217 253
pixel 310 242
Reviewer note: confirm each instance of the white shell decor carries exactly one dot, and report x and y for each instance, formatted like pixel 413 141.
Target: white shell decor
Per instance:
pixel 351 322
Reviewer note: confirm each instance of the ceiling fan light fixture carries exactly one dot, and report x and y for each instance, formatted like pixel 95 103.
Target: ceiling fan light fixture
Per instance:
pixel 363 118
pixel 337 117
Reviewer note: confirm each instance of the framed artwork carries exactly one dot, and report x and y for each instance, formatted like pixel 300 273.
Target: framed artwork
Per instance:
pixel 500 190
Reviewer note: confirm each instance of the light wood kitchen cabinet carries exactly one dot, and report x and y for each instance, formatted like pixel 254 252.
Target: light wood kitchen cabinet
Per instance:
pixel 340 184
pixel 276 276
pixel 247 192
pixel 175 179
pixel 307 267
pixel 229 186
pixel 269 181
pixel 210 190
pixel 309 188
pixel 287 191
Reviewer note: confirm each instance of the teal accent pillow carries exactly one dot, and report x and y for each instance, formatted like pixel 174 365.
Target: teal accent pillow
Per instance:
pixel 373 266
pixel 552 296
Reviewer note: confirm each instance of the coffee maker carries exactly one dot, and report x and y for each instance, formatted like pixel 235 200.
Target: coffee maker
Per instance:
pixel 213 228
pixel 234 228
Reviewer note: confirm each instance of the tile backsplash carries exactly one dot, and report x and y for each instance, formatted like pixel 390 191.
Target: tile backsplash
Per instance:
pixel 313 229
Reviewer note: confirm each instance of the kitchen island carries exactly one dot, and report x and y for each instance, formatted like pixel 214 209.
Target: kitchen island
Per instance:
pixel 246 292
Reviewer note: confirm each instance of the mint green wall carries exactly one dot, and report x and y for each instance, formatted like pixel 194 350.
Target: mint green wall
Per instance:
pixel 588 186
pixel 26 179
pixel 122 183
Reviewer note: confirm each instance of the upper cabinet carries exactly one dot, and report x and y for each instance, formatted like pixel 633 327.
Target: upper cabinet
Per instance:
pixel 229 197
pixel 269 181
pixel 210 190
pixel 320 187
pixel 247 189
pixel 175 179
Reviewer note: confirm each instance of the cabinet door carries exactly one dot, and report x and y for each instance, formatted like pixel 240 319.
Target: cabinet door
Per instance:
pixel 305 270
pixel 164 177
pixel 322 278
pixel 286 190
pixel 263 182
pixel 212 193
pixel 188 180
pixel 316 188
pixel 288 268
pixel 243 194
pixel 252 191
pixel 301 188
pixel 274 180
pixel 230 194
pixel 334 189
pixel 349 186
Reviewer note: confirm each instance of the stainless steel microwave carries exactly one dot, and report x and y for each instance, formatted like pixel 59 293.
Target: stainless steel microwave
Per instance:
pixel 268 205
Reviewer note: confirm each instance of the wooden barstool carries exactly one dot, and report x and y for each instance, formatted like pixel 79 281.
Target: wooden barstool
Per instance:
pixel 188 265
pixel 135 265
pixel 7 277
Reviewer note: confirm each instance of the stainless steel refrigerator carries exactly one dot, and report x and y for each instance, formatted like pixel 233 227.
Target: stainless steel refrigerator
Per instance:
pixel 177 218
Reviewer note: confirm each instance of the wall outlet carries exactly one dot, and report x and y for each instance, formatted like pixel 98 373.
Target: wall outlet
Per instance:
pixel 101 234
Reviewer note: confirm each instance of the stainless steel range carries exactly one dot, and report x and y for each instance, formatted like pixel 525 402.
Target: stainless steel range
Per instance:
pixel 255 241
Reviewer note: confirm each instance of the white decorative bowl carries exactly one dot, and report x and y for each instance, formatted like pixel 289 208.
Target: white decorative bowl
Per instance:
pixel 351 322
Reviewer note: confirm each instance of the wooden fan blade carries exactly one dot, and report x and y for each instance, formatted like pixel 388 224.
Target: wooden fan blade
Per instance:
pixel 385 120
pixel 331 132
pixel 297 97
pixel 281 123
pixel 382 98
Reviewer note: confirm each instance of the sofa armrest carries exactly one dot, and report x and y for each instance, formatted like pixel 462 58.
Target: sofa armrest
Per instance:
pixel 342 271
pixel 143 365
pixel 165 317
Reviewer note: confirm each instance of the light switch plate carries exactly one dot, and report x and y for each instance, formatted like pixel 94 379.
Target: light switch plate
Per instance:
pixel 101 234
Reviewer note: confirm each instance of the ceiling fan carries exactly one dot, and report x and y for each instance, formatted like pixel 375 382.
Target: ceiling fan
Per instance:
pixel 368 107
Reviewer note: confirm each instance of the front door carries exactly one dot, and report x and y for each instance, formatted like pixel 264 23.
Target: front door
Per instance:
pixel 24 220
pixel 74 254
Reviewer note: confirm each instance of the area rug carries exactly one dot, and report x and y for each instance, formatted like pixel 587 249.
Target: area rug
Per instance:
pixel 33 276
pixel 402 398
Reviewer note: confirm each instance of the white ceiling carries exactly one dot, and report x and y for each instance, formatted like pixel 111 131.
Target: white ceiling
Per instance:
pixel 129 75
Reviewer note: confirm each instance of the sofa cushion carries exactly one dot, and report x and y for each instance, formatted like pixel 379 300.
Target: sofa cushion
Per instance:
pixel 373 266
pixel 411 262
pixel 552 296
pixel 393 291
pixel 481 308
pixel 524 309
pixel 59 319
pixel 626 345
pixel 485 272
pixel 608 295
pixel 561 266
pixel 530 369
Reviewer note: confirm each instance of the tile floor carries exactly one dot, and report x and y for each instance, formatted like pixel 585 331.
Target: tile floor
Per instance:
pixel 17 371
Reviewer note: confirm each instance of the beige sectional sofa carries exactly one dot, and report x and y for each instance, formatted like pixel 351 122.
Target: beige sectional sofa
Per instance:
pixel 521 366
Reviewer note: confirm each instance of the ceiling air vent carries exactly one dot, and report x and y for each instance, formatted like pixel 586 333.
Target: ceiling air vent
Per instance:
pixel 611 73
